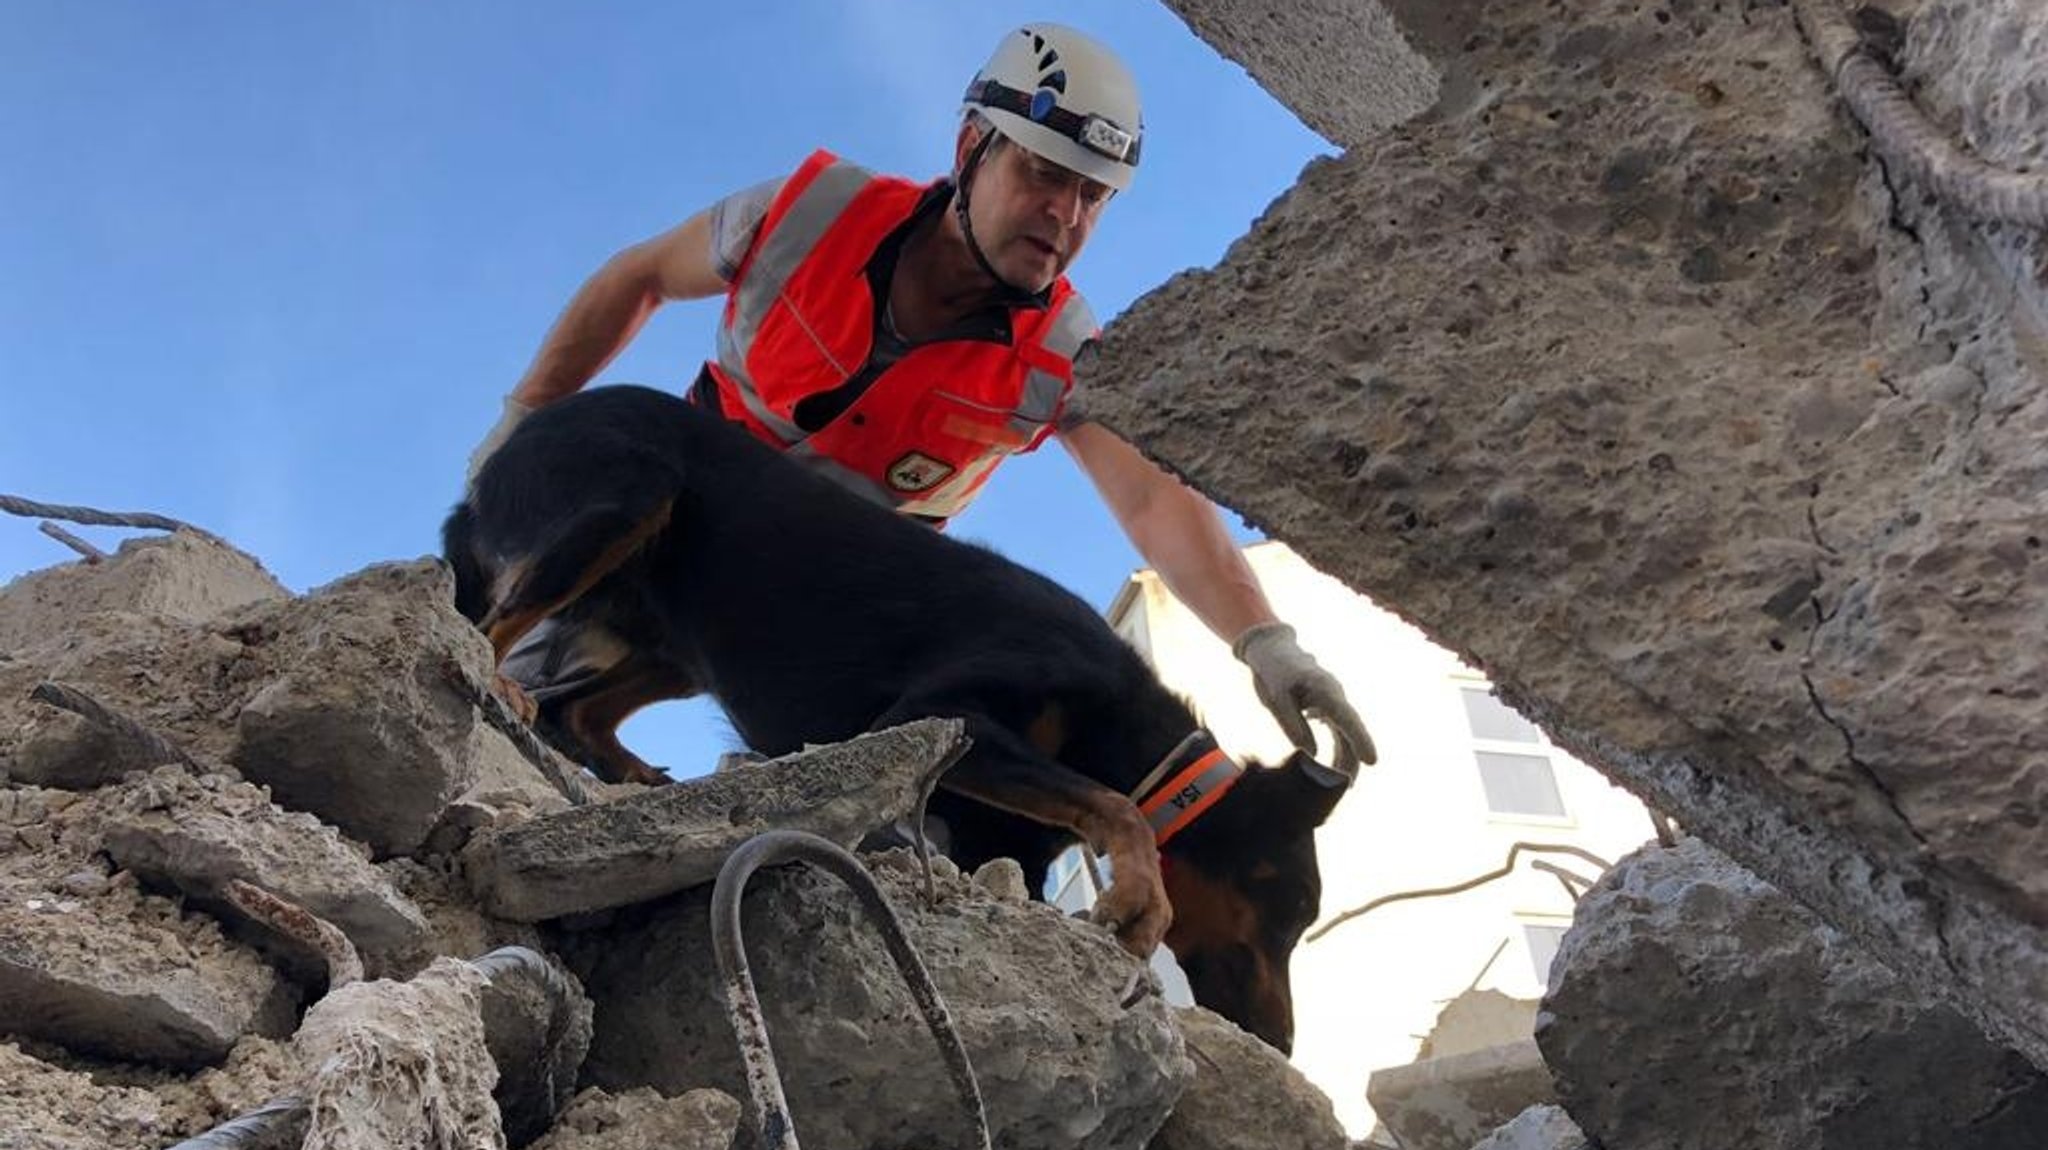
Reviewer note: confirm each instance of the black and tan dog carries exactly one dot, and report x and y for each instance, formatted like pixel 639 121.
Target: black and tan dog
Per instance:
pixel 715 565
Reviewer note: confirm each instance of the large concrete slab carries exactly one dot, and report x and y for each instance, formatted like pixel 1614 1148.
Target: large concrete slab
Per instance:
pixel 671 838
pixel 1452 1102
pixel 1635 385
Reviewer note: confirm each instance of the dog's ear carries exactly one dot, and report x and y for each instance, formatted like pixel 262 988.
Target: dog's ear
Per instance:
pixel 1320 774
pixel 1324 786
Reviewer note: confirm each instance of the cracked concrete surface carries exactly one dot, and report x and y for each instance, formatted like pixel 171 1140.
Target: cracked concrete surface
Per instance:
pixel 1628 376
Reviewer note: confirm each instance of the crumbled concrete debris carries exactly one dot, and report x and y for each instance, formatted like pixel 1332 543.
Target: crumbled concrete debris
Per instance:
pixel 401 1064
pixel 1660 358
pixel 45 1107
pixel 184 681
pixel 508 790
pixel 359 724
pixel 1682 967
pixel 670 838
pixel 642 1119
pixel 1003 880
pixel 53 1101
pixel 183 576
pixel 123 975
pixel 538 1046
pixel 1537 1128
pixel 1238 1076
pixel 90 962
pixel 197 833
pixel 1039 1000
pixel 455 925
pixel 1449 1103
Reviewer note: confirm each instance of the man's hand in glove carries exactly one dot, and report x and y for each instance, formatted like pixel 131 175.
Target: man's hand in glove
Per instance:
pixel 1296 689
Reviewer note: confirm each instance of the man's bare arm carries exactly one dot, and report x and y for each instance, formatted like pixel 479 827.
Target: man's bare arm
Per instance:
pixel 609 309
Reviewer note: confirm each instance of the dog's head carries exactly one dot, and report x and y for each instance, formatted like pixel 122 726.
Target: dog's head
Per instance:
pixel 1244 885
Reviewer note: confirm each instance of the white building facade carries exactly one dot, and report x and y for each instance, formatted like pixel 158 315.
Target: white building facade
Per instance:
pixel 1460 780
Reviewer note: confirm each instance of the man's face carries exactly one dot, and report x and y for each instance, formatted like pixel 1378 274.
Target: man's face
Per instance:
pixel 1031 216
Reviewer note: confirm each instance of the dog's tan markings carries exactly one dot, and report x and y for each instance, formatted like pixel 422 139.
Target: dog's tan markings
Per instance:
pixel 1048 732
pixel 506 627
pixel 594 718
pixel 1213 917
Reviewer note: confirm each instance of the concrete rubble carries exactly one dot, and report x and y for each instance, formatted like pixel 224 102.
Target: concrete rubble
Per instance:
pixel 1630 376
pixel 1071 1043
pixel 1237 1075
pixel 641 1119
pixel 1537 1128
pixel 1451 1101
pixel 323 748
pixel 1682 967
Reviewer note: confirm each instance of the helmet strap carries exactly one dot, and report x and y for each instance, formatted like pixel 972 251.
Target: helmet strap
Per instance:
pixel 1005 290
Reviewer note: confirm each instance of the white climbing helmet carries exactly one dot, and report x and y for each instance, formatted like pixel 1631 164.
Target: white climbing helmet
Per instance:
pixel 1063 95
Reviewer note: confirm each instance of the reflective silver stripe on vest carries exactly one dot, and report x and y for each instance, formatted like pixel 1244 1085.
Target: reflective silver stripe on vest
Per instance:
pixel 783 249
pixel 1040 402
pixel 844 476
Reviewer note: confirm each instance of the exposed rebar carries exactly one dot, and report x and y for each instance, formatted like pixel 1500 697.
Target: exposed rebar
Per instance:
pixel 90 553
pixel 528 744
pixel 302 926
pixel 267 1126
pixel 1903 135
pixel 750 1024
pixel 152 745
pixel 16 505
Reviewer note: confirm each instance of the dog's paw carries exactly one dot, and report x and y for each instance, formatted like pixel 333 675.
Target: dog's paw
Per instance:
pixel 1137 912
pixel 515 697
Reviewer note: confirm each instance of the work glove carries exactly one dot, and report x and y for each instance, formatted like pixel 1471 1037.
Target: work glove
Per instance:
pixel 1296 689
pixel 496 437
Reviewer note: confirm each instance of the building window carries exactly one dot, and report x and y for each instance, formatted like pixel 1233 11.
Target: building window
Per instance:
pixel 1490 718
pixel 1543 940
pixel 1519 785
pixel 1513 758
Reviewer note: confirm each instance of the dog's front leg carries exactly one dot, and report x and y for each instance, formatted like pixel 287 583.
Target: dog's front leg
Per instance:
pixel 1135 906
pixel 1007 772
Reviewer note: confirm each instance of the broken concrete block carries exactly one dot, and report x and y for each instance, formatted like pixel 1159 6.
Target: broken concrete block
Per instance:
pixel 455 926
pixel 199 832
pixel 1476 1020
pixel 1537 1128
pixel 401 1064
pixel 1665 359
pixel 1695 1006
pixel 183 681
pixel 1040 1002
pixel 642 1119
pixel 124 976
pixel 183 576
pixel 670 838
pixel 1451 1102
pixel 537 1026
pixel 1238 1076
pixel 360 724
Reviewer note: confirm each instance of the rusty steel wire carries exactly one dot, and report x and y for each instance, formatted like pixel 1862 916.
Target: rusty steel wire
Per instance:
pixel 750 1025
pixel 1514 853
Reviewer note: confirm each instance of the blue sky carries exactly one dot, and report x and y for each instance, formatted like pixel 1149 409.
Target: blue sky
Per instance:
pixel 269 268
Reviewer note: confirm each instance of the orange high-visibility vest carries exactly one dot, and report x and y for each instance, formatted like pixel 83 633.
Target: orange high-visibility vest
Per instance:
pixel 800 320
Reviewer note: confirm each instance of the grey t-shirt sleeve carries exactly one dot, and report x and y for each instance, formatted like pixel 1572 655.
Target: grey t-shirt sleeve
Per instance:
pixel 1075 413
pixel 734 222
